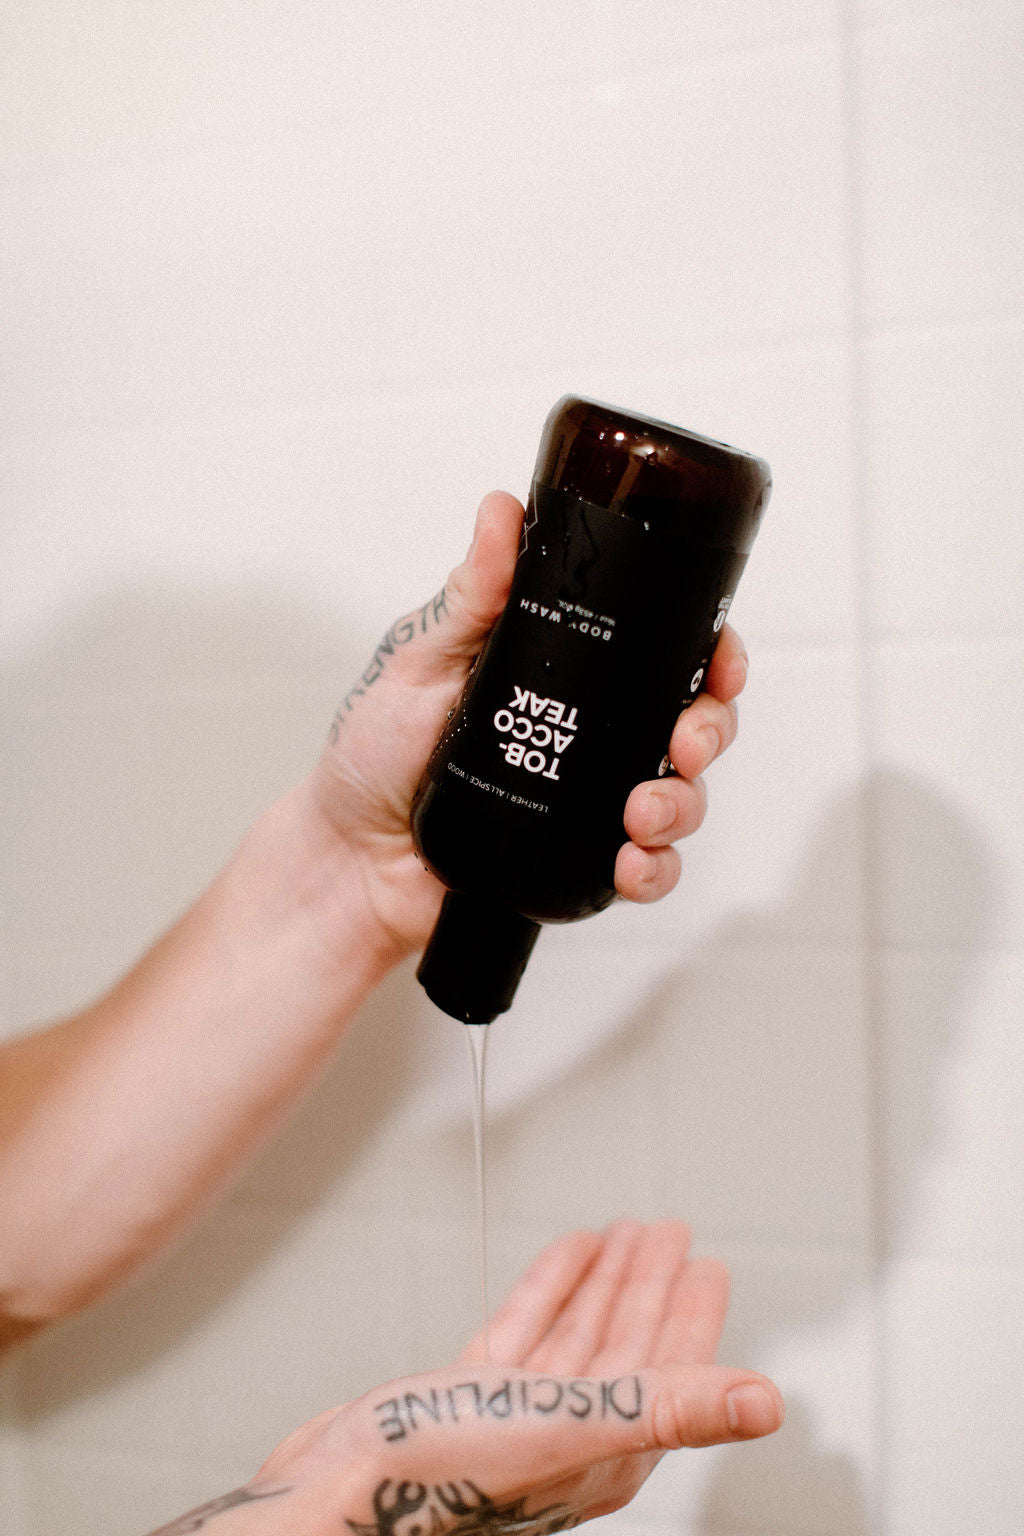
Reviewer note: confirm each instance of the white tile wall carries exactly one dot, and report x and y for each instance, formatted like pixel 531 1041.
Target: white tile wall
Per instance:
pixel 809 1315
pixel 156 785
pixel 983 13
pixel 641 33
pixel 778 1025
pixel 953 1373
pixel 954 1086
pixel 287 289
pixel 78 1490
pixel 937 122
pixel 945 413
pixel 949 837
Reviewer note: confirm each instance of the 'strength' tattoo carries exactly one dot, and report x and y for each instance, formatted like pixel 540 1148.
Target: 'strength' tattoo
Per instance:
pixel 197 1518
pixel 456 1509
pixel 621 1398
pixel 400 633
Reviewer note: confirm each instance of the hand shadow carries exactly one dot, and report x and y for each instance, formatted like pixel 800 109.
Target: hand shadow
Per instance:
pixel 754 1091
pixel 827 1131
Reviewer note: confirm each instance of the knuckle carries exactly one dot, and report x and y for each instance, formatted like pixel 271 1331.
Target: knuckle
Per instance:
pixel 461 594
pixel 664 1421
pixel 684 1416
pixel 663 873
pixel 691 805
pixel 671 1421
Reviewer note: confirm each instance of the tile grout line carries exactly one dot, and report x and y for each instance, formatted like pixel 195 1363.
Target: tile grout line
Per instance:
pixel 867 692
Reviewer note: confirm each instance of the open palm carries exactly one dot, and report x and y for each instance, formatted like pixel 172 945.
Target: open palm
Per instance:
pixel 600 1361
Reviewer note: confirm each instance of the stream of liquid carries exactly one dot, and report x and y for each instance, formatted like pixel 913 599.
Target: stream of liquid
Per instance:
pixel 476 1039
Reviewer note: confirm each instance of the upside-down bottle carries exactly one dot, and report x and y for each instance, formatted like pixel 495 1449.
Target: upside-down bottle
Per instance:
pixel 636 534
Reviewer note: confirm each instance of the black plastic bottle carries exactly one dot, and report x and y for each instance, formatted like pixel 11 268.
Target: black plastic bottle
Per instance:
pixel 635 537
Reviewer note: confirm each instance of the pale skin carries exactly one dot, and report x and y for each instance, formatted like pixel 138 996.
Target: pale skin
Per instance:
pixel 601 1361
pixel 119 1122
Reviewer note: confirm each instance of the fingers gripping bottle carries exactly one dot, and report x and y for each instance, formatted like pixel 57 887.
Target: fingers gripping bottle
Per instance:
pixel 635 536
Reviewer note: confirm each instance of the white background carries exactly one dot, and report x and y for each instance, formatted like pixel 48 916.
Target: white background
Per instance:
pixel 286 288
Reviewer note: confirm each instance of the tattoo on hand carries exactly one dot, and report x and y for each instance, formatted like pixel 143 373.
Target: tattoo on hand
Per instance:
pixel 400 633
pixel 621 1398
pixel 456 1509
pixel 197 1518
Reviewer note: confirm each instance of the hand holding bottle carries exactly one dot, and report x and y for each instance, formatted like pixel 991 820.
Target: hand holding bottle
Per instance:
pixel 360 793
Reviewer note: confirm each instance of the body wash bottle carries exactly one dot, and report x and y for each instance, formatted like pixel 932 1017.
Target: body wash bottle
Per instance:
pixel 636 534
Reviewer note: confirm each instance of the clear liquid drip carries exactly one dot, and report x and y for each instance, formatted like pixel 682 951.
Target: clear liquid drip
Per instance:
pixel 476 1039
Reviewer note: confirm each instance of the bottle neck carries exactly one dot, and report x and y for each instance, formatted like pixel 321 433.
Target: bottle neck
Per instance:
pixel 475 958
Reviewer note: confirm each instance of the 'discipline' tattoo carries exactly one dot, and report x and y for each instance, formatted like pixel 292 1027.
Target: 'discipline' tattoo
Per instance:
pixel 621 1398
pixel 401 632
pixel 196 1519
pixel 456 1509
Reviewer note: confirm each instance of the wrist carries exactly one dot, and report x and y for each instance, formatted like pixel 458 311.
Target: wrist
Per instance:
pixel 299 876
pixel 329 1474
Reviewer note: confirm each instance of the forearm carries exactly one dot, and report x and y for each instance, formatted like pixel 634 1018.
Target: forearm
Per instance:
pixel 117 1123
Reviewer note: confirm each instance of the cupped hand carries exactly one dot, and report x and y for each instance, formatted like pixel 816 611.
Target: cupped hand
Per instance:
pixel 600 1361
pixel 387 723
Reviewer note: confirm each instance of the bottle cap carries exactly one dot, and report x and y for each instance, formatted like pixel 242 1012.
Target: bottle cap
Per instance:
pixel 475 957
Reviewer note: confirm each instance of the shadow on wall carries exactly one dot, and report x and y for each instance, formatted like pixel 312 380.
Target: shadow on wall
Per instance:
pixel 187 716
pixel 771 1094
pixel 927 875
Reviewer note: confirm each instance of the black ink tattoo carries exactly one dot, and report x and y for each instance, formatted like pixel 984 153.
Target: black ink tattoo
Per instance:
pixel 456 1509
pixel 400 633
pixel 197 1518
pixel 621 1398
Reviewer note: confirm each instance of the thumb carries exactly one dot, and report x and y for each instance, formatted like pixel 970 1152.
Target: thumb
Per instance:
pixel 518 1424
pixel 476 591
pixel 709 1405
pixel 663 1410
